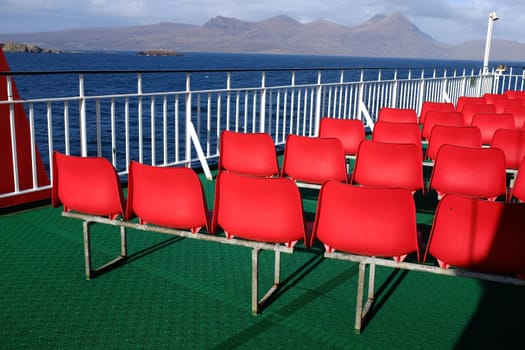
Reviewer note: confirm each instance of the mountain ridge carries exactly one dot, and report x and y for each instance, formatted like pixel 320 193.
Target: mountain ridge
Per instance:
pixel 391 35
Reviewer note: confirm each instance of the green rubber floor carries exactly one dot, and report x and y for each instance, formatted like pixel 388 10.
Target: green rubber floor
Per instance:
pixel 175 293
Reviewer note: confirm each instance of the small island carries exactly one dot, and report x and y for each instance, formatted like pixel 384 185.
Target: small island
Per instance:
pixel 159 53
pixel 30 48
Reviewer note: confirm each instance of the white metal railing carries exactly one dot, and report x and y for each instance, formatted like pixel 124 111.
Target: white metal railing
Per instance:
pixel 162 126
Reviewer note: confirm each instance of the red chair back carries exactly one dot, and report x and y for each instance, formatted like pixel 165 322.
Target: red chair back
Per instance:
pixel 488 123
pixel 467 136
pixel 518 111
pixel 462 100
pixel 479 235
pixel 258 209
pixel 88 185
pixel 512 143
pixel 248 153
pixel 434 106
pixel 397 115
pixel 171 197
pixel 475 172
pixel 518 190
pixel 383 165
pixel 397 132
pixel 349 131
pixel 347 220
pixel 313 159
pixel 440 118
pixel 470 109
pixel 501 102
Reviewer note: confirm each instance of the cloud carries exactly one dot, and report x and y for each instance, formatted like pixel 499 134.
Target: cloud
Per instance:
pixel 450 21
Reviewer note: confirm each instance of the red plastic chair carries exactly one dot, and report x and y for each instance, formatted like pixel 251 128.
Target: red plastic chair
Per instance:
pixel 512 143
pixel 462 100
pixel 517 190
pixel 397 132
pixel 467 136
pixel 440 118
pixel 470 109
pixel 383 165
pixel 490 98
pixel 258 209
pixel 478 235
pixel 89 185
pixel 488 123
pixel 512 94
pixel 475 172
pixel 313 160
pixel 397 115
pixel 501 102
pixel 170 197
pixel 248 153
pixel 434 106
pixel 518 111
pixel 349 131
pixel 366 221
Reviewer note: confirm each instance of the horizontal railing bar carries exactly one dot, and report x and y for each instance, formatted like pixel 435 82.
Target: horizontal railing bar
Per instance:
pixel 224 70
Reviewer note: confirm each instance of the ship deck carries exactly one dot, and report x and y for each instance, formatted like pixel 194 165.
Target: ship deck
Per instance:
pixel 175 293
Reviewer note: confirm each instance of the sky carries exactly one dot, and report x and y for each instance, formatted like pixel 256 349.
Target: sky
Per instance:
pixel 448 21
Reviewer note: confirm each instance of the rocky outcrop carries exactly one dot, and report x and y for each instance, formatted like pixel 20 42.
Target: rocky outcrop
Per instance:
pixel 158 53
pixel 19 47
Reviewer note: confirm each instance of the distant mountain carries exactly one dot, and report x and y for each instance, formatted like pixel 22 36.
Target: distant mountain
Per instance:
pixel 380 36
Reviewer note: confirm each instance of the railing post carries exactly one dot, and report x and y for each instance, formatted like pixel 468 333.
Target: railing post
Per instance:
pixel 262 109
pixel 361 94
pixel 228 100
pixel 421 97
pixel 318 95
pixel 393 101
pixel 12 125
pixel 187 147
pixel 463 83
pixel 444 87
pixel 83 121
pixel 139 116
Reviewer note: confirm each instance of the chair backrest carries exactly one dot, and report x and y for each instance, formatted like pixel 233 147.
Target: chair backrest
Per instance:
pixel 314 159
pixel 512 94
pixel 490 97
pixel 397 115
pixel 512 143
pixel 488 123
pixel 518 189
pixel 518 111
pixel 397 132
pixel 88 185
pixel 382 164
pixel 434 106
pixel 366 221
pixel 467 136
pixel 349 131
pixel 475 172
pixel 248 153
pixel 258 208
pixel 501 102
pixel 470 109
pixel 171 197
pixel 479 235
pixel 440 118
pixel 462 100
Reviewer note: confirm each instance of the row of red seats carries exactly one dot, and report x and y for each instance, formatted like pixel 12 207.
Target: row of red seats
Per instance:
pixel 393 157
pixel 467 232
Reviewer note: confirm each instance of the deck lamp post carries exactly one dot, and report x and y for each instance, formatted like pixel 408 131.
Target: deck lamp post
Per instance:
pixel 492 18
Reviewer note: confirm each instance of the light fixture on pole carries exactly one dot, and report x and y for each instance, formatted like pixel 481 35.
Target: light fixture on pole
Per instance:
pixel 492 18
